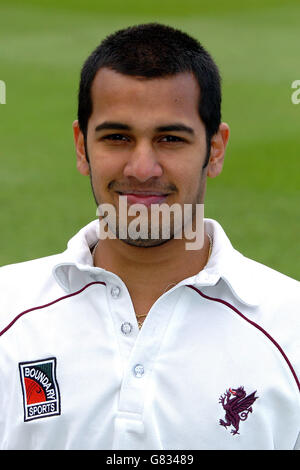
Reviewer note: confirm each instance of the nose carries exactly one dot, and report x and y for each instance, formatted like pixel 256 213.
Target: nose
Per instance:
pixel 143 163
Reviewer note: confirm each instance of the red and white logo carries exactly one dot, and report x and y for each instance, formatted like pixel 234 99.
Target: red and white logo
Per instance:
pixel 40 389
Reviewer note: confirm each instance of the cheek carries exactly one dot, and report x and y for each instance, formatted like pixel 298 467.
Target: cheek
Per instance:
pixel 193 186
pixel 104 168
pixel 190 176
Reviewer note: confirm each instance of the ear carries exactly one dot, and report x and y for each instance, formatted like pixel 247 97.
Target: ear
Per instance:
pixel 217 150
pixel 82 163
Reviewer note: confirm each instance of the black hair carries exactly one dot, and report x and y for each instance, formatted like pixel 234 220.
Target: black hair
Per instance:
pixel 154 50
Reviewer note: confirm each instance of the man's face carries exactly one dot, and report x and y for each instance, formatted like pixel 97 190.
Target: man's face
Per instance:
pixel 145 140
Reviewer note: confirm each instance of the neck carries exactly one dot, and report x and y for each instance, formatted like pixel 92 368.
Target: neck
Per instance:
pixel 165 265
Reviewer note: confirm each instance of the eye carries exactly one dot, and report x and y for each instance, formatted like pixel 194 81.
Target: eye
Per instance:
pixel 171 139
pixel 117 137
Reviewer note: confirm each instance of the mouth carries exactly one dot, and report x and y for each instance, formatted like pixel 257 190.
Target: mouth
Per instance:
pixel 144 197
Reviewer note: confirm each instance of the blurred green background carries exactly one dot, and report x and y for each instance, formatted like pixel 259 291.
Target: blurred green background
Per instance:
pixel 44 200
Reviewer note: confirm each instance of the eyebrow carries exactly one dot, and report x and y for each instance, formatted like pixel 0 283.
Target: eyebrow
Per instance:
pixel 176 127
pixel 112 125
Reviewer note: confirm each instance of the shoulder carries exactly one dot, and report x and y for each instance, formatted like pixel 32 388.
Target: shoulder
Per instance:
pixel 251 280
pixel 278 308
pixel 277 295
pixel 270 284
pixel 26 285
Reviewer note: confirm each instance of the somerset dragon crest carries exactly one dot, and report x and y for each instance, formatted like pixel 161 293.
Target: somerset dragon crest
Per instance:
pixel 237 406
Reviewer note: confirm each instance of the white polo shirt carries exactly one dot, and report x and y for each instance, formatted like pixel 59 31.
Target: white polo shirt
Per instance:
pixel 214 366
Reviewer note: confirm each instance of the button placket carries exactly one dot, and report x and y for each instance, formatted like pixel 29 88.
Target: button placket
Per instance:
pixel 135 385
pixel 123 318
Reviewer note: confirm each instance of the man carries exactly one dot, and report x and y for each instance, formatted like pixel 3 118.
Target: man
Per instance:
pixel 137 342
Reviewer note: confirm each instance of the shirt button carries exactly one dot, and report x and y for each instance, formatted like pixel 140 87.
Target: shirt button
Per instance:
pixel 126 328
pixel 115 292
pixel 138 371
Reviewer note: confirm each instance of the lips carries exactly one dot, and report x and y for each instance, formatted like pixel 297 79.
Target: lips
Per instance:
pixel 144 198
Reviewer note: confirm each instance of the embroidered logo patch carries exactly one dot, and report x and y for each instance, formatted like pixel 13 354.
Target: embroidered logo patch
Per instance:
pixel 237 405
pixel 40 389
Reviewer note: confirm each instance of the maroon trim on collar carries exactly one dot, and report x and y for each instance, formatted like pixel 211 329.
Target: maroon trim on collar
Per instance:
pixel 253 324
pixel 48 305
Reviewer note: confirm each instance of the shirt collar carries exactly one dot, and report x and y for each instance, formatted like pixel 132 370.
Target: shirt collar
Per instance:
pixel 225 263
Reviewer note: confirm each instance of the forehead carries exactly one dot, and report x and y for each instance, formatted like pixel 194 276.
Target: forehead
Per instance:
pixel 114 93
